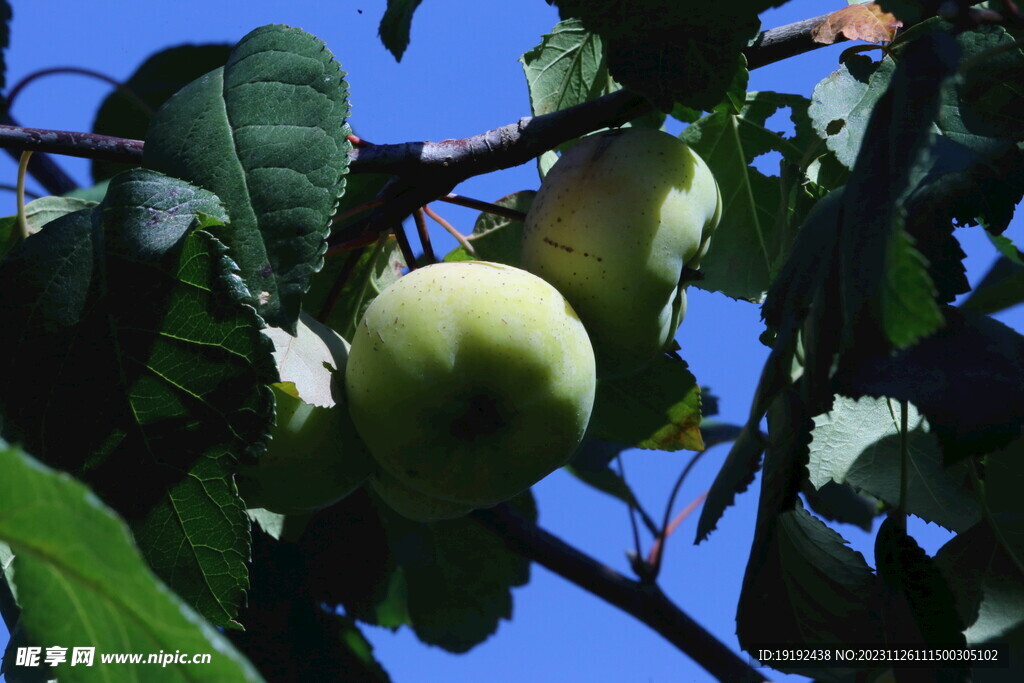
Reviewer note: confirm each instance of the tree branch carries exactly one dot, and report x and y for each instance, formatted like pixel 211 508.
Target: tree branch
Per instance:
pixel 645 602
pixel 783 42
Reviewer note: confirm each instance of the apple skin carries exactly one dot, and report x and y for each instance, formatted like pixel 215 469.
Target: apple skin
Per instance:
pixel 470 381
pixel 313 460
pixel 614 223
pixel 412 504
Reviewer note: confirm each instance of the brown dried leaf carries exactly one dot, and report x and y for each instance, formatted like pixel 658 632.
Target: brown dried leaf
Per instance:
pixel 858 22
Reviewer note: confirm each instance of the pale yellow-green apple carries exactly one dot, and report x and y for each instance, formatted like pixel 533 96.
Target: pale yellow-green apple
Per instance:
pixel 412 504
pixel 615 222
pixel 314 457
pixel 470 381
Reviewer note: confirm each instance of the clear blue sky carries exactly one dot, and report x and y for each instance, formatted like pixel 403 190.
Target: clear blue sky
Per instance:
pixel 461 76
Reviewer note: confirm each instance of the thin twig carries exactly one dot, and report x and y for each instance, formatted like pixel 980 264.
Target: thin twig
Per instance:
pixel 451 230
pixel 637 550
pixel 646 602
pixel 118 85
pixel 405 246
pixel 663 536
pixel 487 207
pixel 421 229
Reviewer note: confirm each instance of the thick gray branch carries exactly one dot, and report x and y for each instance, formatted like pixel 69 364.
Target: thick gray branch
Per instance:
pixel 646 602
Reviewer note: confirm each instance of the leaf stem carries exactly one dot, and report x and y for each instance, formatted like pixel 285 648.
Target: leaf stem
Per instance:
pixel 20 190
pixel 904 464
pixel 679 519
pixel 638 556
pixel 979 489
pixel 405 246
pixel 462 240
pixel 339 282
pixel 663 536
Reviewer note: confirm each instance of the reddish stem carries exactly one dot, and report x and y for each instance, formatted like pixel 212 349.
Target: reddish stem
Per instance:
pixel 654 557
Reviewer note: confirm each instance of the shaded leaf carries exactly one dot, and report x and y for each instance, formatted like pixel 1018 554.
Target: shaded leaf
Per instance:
pixel 805 586
pixel 38 213
pixel 985 573
pixel 865 22
pixel 657 407
pixel 735 475
pixel 126 113
pixel 135 314
pixel 1000 289
pixel 457 576
pixel 84 582
pixel 841 503
pixel 267 134
pixel 395 26
pixel 974 405
pixel 757 227
pixel 646 54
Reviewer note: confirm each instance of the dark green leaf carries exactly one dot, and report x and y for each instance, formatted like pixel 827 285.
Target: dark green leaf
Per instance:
pixel 126 112
pixel 984 570
pixel 1001 288
pixel 136 316
pixel 967 380
pixel 289 636
pixel 805 586
pixel 395 25
pixel 734 477
pixel 497 238
pixel 83 582
pixel 657 407
pixel 670 50
pixel 458 576
pixel 267 134
pixel 566 69
pixel 841 503
pixel 38 213
pixel 757 228
pixel 918 606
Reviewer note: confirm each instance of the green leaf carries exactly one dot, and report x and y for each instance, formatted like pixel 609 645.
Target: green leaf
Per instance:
pixel 267 134
pixel 497 238
pixel 759 220
pixel 645 52
pixel 984 570
pixel 126 112
pixel 1000 289
pixel 567 68
pixel 842 103
pixel 909 308
pixel 370 272
pixel 136 315
pixel 858 443
pixel 395 25
pixel 1004 470
pixel 458 576
pixel 919 606
pixel 656 408
pixel 38 213
pixel 83 582
pixel 803 586
pixel 967 380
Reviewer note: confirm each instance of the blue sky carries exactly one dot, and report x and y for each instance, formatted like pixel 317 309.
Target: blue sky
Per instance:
pixel 461 76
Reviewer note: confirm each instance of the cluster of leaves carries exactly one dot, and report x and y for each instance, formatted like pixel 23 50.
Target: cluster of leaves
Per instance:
pixel 135 318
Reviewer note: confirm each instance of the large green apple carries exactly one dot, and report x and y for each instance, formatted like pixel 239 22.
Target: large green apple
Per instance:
pixel 470 381
pixel 315 457
pixel 616 221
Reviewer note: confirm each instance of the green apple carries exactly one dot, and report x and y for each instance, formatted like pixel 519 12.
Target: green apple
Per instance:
pixel 412 504
pixel 314 457
pixel 616 221
pixel 470 381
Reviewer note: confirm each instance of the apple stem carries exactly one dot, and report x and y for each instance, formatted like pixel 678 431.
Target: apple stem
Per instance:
pixel 22 220
pixel 632 517
pixel 421 228
pixel 451 230
pixel 487 207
